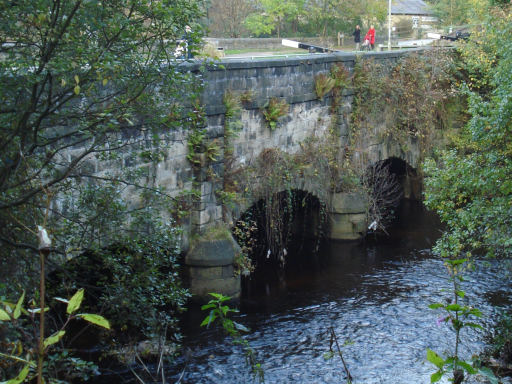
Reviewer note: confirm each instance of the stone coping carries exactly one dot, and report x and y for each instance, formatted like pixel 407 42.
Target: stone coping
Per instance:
pixel 319 58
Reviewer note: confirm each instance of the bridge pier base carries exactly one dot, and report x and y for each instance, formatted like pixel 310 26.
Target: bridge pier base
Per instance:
pixel 210 268
pixel 347 216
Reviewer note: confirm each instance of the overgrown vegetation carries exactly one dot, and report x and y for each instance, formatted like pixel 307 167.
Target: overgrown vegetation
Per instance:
pixel 232 125
pixel 279 176
pixel 410 102
pixel 201 151
pixel 134 283
pixel 84 100
pixel 323 85
pixel 385 193
pixel 245 233
pixel 273 110
pixel 468 183
pixel 409 98
pixel 458 315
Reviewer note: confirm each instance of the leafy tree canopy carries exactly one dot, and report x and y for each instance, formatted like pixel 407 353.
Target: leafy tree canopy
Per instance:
pixel 81 80
pixel 470 185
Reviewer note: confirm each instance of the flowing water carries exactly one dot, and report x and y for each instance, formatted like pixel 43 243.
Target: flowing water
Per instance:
pixel 375 295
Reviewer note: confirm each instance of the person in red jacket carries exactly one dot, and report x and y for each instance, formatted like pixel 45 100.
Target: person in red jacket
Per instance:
pixel 371 36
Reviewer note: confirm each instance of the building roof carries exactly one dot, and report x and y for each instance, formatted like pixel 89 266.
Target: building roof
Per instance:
pixel 410 7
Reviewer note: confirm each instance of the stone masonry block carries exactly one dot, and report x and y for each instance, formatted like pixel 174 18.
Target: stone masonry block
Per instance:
pixel 347 226
pixel 212 253
pixel 348 202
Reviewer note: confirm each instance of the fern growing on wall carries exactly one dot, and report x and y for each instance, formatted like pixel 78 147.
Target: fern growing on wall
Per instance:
pixel 274 110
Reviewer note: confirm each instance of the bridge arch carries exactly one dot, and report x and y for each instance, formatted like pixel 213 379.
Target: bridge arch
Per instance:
pixel 275 226
pixel 387 182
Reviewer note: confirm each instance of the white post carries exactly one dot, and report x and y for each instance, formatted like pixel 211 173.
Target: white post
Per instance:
pixel 389 26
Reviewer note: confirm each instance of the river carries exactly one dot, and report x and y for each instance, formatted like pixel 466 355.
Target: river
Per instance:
pixel 375 295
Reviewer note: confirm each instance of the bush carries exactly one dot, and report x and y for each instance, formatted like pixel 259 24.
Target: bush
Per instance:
pixel 134 283
pixel 501 340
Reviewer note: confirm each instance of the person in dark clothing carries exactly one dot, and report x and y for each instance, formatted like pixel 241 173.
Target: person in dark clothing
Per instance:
pixel 187 37
pixel 357 37
pixel 182 50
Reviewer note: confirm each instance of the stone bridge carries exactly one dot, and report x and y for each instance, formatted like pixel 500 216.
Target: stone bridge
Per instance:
pixel 292 80
pixel 289 79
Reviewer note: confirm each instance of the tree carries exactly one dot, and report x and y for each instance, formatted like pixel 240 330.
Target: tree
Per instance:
pixel 226 17
pixel 82 81
pixel 271 15
pixel 327 17
pixel 459 12
pixel 470 184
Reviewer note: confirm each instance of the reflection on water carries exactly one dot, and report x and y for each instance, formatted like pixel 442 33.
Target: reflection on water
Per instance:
pixel 375 295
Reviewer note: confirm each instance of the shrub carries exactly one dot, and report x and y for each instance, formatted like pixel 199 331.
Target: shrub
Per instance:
pixel 323 85
pixel 133 282
pixel 274 110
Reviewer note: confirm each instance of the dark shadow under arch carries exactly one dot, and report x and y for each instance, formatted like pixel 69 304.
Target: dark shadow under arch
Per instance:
pixel 388 182
pixel 290 228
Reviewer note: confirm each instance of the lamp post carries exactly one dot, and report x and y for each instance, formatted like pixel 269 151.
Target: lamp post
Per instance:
pixel 389 26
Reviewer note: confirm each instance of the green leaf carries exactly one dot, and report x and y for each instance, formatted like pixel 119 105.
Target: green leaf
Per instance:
pixel 436 306
pixel 4 316
pixel 473 325
pixel 209 319
pixel 21 376
pixel 456 261
pixel 76 89
pixel 435 359
pixel 469 368
pixel 208 306
pixel 220 296
pixel 37 310
pixel 435 377
pixel 75 301
pixel 454 307
pixel 17 310
pixel 461 294
pixel 55 338
pixel 95 319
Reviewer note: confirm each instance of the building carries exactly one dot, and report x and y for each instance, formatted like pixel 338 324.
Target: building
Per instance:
pixel 409 16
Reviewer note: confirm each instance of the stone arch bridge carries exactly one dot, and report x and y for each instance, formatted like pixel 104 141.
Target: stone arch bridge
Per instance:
pixel 291 80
